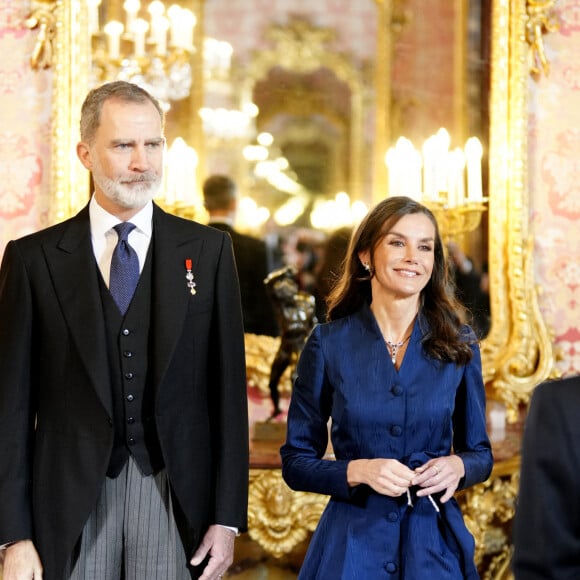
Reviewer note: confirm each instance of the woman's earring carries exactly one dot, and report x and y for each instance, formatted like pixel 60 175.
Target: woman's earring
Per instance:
pixel 367 267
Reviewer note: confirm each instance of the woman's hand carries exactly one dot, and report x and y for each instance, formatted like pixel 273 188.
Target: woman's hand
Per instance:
pixel 439 474
pixel 386 476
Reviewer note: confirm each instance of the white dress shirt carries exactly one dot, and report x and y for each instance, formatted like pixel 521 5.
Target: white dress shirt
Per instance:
pixel 104 238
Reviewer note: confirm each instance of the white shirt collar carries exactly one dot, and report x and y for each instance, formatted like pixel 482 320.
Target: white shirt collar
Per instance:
pixel 102 221
pixel 221 220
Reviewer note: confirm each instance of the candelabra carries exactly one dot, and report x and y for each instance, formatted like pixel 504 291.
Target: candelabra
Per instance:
pixel 459 220
pixel 447 181
pixel 154 53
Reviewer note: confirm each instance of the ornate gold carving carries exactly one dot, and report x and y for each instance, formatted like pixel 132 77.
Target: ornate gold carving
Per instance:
pixel 401 16
pixel 518 353
pixel 43 18
pixel 541 19
pixel 278 518
pixel 488 509
pixel 69 179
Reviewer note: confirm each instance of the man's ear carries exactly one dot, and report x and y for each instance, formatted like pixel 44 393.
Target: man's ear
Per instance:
pixel 84 155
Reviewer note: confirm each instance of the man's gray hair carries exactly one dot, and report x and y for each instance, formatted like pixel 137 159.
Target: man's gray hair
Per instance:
pixel 117 90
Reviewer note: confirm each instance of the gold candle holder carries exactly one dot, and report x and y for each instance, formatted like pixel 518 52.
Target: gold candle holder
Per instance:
pixel 458 220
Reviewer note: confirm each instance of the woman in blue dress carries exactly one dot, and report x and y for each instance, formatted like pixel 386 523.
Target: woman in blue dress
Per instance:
pixel 398 374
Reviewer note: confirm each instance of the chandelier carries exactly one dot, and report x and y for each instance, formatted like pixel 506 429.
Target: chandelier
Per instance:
pixel 152 46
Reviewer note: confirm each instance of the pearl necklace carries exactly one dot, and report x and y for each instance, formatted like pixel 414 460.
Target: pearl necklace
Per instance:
pixel 394 347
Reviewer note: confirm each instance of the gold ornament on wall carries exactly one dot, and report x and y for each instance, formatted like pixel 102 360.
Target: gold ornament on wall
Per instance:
pixel 43 19
pixel 541 20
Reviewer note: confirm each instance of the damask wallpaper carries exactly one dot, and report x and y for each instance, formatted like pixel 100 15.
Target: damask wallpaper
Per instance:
pixel 554 154
pixel 24 127
pixel 554 181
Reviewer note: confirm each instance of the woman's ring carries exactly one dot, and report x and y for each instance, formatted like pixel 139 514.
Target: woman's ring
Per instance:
pixel 437 470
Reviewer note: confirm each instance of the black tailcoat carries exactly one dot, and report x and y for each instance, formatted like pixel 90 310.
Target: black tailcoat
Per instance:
pixel 56 424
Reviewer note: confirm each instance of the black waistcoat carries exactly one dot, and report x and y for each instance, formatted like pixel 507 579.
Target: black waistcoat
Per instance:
pixel 133 397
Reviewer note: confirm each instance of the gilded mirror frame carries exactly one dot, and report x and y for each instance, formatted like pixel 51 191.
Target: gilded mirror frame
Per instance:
pixel 518 352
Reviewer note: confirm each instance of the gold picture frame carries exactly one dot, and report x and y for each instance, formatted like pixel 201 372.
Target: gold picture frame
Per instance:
pixel 518 352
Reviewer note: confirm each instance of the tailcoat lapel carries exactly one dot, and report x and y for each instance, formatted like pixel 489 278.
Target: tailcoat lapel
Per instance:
pixel 74 274
pixel 171 246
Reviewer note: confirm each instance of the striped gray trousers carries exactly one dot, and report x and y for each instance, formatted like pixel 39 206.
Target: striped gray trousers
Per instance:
pixel 131 533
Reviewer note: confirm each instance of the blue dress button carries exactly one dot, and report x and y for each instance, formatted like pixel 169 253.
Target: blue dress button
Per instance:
pixel 391 567
pixel 397 390
pixel 393 516
pixel 396 430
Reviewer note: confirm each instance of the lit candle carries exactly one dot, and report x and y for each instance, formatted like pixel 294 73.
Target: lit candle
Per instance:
pixel 225 56
pixel 188 22
pixel 409 161
pixel 442 158
pixel 93 6
pixel 113 30
pixel 161 42
pixel 415 165
pixel 156 10
pixel 131 8
pixel 140 28
pixel 174 14
pixel 456 189
pixel 430 169
pixel 473 154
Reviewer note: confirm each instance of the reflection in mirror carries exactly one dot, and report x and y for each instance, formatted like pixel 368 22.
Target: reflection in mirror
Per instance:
pixel 322 84
pixel 407 66
pixel 318 84
pixel 334 88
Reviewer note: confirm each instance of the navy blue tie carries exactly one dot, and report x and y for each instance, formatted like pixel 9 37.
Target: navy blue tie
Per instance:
pixel 124 268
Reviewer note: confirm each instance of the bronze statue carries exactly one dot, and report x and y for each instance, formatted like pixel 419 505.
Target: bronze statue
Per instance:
pixel 295 312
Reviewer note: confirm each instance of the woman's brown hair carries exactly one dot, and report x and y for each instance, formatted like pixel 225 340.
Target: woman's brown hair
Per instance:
pixel 445 316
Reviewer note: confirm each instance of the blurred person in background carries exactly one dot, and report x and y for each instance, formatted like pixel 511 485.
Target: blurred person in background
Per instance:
pixel 220 195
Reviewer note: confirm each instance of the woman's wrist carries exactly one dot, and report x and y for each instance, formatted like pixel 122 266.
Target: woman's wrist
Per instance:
pixel 353 472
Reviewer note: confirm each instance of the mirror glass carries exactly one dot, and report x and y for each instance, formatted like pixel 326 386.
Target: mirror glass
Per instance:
pixel 336 88
pixel 517 354
pixel 335 83
pixel 300 105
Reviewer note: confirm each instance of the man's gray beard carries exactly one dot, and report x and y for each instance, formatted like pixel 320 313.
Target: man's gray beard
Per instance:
pixel 129 197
